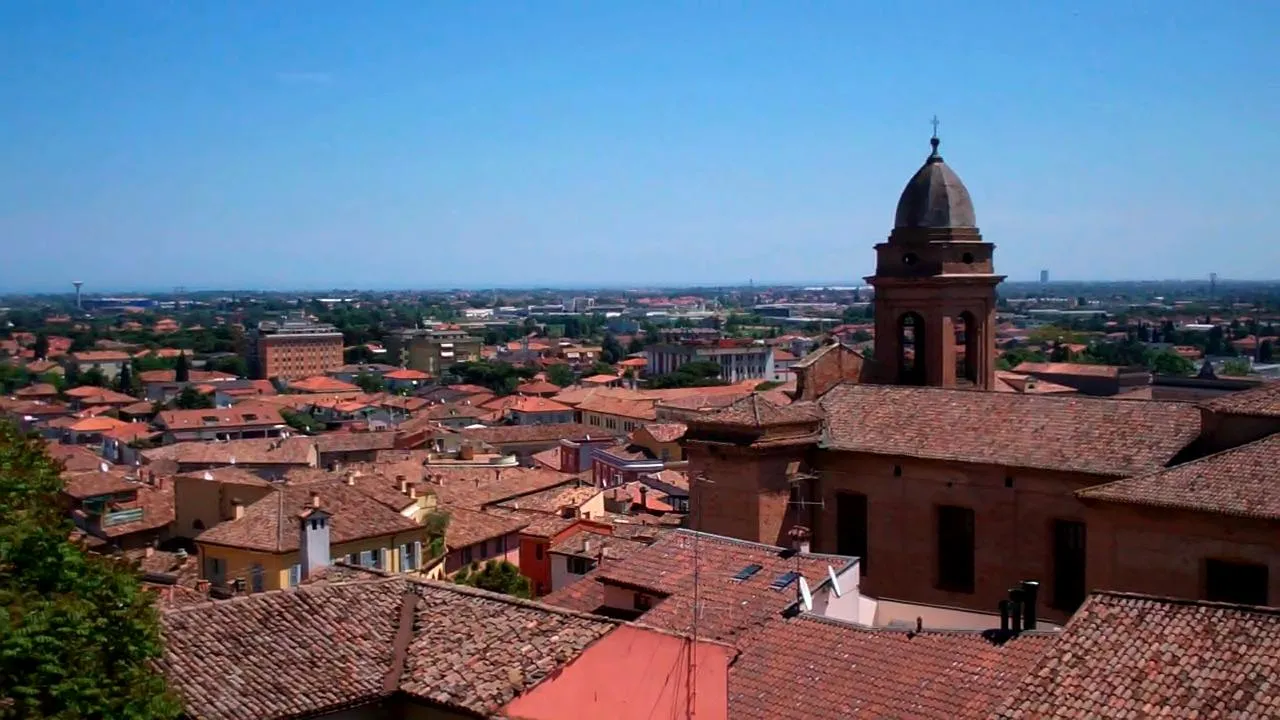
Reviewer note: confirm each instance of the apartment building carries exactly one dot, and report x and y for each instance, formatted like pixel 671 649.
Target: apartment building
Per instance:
pixel 738 359
pixel 293 349
pixel 432 351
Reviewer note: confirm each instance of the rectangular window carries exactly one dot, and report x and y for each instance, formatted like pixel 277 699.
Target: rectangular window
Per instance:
pixel 295 575
pixel 409 556
pixel 216 570
pixel 537 551
pixel 257 578
pixel 1235 582
pixel 955 548
pixel 466 556
pixel 579 565
pixel 366 558
pixel 1068 565
pixel 851 527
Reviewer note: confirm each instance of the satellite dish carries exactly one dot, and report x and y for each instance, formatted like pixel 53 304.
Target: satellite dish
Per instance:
pixel 835 582
pixel 805 594
pixel 103 467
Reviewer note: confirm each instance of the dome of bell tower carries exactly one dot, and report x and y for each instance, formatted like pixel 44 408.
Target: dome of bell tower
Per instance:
pixel 935 198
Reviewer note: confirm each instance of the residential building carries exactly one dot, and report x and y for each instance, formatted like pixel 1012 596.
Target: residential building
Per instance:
pixel 616 414
pixel 268 457
pixel 782 361
pixel 405 379
pixel 534 410
pixel 117 507
pixel 473 538
pixel 575 555
pixel 243 421
pixel 293 349
pixel 87 397
pixel 279 539
pixel 1097 380
pixel 432 351
pixel 661 440
pixel 525 440
pixel 739 360
pixel 206 498
pixel 109 362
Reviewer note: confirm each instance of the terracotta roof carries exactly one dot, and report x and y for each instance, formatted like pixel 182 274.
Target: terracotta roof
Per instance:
pixel 537 387
pixel 534 404
pixel 97 424
pixel 812 668
pixel 75 457
pixel 376 479
pixel 1260 401
pixel 666 432
pixel 783 355
pixel 593 544
pixel 755 411
pixel 257 451
pixel 355 441
pixel 244 414
pixel 549 459
pixel 633 362
pixel 96 356
pixel 128 432
pixel 635 409
pixel 600 379
pixel 322 384
pixel 229 475
pixel 451 410
pixel 271 523
pixel 1070 433
pixel 1018 382
pixel 142 407
pixel 468 527
pixel 88 395
pixel 168 376
pixel 1243 481
pixel 406 374
pixel 473 488
pixel 547 432
pixel 554 498
pixel 1129 656
pixel 729 607
pixel 1065 368
pixel 83 485
pixel 37 390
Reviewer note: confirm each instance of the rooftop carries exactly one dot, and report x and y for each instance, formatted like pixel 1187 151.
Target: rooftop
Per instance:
pixel 322 384
pixel 1070 433
pixel 257 451
pixel 244 414
pixel 1261 401
pixel 468 527
pixel 548 432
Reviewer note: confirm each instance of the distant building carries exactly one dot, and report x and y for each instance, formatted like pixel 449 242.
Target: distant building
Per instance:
pixel 432 351
pixel 739 360
pixel 1044 276
pixel 294 349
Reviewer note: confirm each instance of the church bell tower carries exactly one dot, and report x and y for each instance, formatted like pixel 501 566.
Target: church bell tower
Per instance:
pixel 935 287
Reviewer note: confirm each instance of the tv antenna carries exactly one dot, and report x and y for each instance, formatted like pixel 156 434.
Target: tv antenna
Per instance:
pixel 692 678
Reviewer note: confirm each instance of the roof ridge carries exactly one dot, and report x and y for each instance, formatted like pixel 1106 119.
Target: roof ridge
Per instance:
pixel 937 632
pixel 509 599
pixel 725 539
pixel 1046 398
pixel 1190 602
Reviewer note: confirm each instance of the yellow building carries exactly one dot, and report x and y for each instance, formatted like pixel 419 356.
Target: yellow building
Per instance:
pixel 277 540
pixel 662 440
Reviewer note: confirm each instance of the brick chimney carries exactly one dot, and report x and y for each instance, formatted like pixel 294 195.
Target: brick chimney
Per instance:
pixel 800 538
pixel 237 508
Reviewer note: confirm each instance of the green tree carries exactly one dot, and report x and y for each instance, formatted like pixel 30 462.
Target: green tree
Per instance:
pixel 560 374
pixel 357 355
pixel 370 383
pixel 1265 352
pixel 497 576
pixel 303 422
pixel 611 350
pixel 231 364
pixel 93 376
pixel 71 374
pixel 1167 362
pixel 699 373
pixel 192 399
pixel 79 633
pixel 181 372
pixel 124 381
pixel 55 379
pixel 436 524
pixel 601 368
pixel 1235 367
pixel 41 348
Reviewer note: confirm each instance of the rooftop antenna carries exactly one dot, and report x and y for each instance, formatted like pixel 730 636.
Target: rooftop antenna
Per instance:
pixel 692 680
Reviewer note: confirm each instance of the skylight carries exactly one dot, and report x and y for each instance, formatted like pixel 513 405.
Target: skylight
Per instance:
pixel 747 572
pixel 784 580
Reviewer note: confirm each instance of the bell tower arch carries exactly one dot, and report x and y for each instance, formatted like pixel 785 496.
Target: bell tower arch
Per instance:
pixel 935 287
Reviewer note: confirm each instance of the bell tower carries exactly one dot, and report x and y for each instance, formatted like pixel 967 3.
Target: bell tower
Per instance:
pixel 935 286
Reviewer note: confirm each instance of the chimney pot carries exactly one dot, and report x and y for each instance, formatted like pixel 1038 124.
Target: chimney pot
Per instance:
pixel 315 499
pixel 1030 592
pixel 1004 616
pixel 149 551
pixel 237 508
pixel 1015 607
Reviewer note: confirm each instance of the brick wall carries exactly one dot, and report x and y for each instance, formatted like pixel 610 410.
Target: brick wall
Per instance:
pixel 745 494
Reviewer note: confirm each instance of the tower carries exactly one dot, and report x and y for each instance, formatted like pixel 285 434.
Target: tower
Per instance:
pixel 78 284
pixel 935 287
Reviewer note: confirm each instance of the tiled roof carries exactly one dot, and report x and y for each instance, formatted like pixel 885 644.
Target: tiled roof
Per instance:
pixel 229 475
pixel 534 404
pixel 76 457
pixel 355 441
pixel 1017 382
pixel 634 409
pixel 810 668
pixel 729 607
pixel 1261 401
pixel 242 415
pixel 322 384
pixel 1069 433
pixel 1065 368
pixel 537 387
pixel 549 458
pixel 88 395
pixel 37 390
pixel 600 379
pixel 535 433
pixel 474 488
pixel 283 654
pixel 1242 481
pixel 96 356
pixel 468 527
pixel 256 451
pixel 168 376
pixel 451 410
pixel 271 523
pixel 593 544
pixel 1131 656
pixel 95 482
pixel 553 499
pixel 755 411
pixel 666 432
pixel 96 424
pixel 406 374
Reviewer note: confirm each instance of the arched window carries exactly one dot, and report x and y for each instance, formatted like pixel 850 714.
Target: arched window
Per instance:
pixel 911 357
pixel 966 348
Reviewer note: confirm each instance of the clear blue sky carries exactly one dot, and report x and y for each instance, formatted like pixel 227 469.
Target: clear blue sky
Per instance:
pixel 429 143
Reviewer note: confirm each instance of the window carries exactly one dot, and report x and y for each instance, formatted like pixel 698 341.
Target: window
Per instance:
pixel 295 575
pixel 748 571
pixel 257 578
pixel 955 548
pixel 466 556
pixel 1068 565
pixel 643 602
pixel 1235 582
pixel 851 527
pixel 537 551
pixel 409 554
pixel 215 569
pixel 580 565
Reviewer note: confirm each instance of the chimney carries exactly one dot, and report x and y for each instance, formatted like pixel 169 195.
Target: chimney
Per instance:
pixel 202 587
pixel 644 496
pixel 588 546
pixel 403 483
pixel 1015 605
pixel 313 539
pixel 350 478
pixel 315 499
pixel 800 538
pixel 237 508
pixel 149 551
pixel 1004 616
pixel 1030 593
pixel 413 493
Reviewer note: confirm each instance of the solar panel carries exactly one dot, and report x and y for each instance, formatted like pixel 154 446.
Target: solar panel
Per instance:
pixel 784 580
pixel 748 571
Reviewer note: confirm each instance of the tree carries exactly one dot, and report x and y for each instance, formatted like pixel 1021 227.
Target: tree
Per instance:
pixel 302 422
pixel 600 368
pixel 611 350
pixel 370 383
pixel 93 376
pixel 79 633
pixel 231 364
pixel 192 399
pixel 436 523
pixel 635 346
pixel 497 576
pixel 41 348
pixel 699 373
pixel 560 374
pixel 124 381
pixel 357 355
pixel 1235 367
pixel 1265 352
pixel 181 372
pixel 1167 362
pixel 71 374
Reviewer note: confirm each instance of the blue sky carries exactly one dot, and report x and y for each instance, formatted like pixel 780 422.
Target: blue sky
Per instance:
pixel 145 145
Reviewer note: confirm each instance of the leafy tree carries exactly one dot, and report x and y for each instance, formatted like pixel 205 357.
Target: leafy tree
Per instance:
pixel 71 375
pixel 79 633
pixel 93 376
pixel 600 368
pixel 181 372
pixel 436 524
pixel 41 348
pixel 611 350
pixel 192 399
pixel 699 373
pixel 13 377
pixel 231 364
pixel 302 422
pixel 500 377
pixel 370 383
pixel 55 379
pixel 496 576
pixel 357 355
pixel 1013 357
pixel 1265 352
pixel 560 374
pixel 1235 367
pixel 125 380
pixel 1167 362
pixel 635 346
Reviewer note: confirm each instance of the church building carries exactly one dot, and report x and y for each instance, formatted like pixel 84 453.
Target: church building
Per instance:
pixel 951 493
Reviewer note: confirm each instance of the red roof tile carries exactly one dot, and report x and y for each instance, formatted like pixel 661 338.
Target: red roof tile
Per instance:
pixel 1263 401
pixel 534 404
pixel 1131 656
pixel 468 527
pixel 243 415
pixel 322 384
pixel 509 434
pixel 666 432
pixel 1070 433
